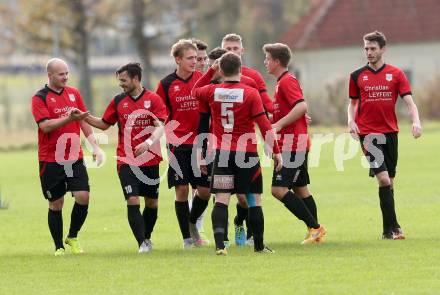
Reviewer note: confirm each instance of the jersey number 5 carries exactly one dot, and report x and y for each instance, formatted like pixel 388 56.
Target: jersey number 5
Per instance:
pixel 227 116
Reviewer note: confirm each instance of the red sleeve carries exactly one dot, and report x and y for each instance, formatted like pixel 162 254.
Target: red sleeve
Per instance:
pixel 291 91
pixel 404 87
pixel 267 102
pixel 268 133
pixel 261 86
pixel 256 106
pixel 81 105
pixel 204 80
pixel 111 114
pixel 202 95
pixel 39 110
pixel 158 107
pixel 353 89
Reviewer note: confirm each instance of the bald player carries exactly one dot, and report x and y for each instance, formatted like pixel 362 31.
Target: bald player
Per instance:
pixel 55 110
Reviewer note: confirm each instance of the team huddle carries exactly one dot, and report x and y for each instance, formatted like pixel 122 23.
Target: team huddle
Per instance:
pixel 207 110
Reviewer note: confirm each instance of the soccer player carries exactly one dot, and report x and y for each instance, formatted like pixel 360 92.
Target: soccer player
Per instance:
pixel 139 114
pixel 233 42
pixel 202 56
pixel 373 92
pixel 290 123
pixel 201 66
pixel 183 117
pixel 55 109
pixel 235 107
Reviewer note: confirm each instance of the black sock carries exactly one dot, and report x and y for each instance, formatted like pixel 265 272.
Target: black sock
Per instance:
pixel 242 214
pixel 198 206
pixel 249 232
pixel 226 238
pixel 256 219
pixel 387 207
pixel 311 205
pixel 136 222
pixel 182 213
pixel 77 219
pixel 55 221
pixel 150 217
pixel 219 217
pixel 392 193
pixel 299 209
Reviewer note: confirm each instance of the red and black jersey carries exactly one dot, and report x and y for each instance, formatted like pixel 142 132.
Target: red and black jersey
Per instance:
pixel 234 108
pixel 261 86
pixel 182 107
pixel 63 143
pixel 207 79
pixel 288 93
pixel 377 92
pixel 135 118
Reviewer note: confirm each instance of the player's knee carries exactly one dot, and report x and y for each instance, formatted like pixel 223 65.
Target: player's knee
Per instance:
pixel 302 192
pixel 279 192
pixel 182 192
pixel 242 200
pixel 82 197
pixel 384 181
pixel 56 205
pixel 204 193
pixel 133 200
pixel 151 203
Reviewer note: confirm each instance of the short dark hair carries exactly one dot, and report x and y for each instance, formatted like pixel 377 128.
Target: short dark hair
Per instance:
pixel 200 44
pixel 279 51
pixel 216 53
pixel 230 64
pixel 376 36
pixel 133 69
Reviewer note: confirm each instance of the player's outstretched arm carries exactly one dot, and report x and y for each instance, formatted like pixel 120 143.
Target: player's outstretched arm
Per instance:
pixel 51 124
pixel 414 114
pixel 97 122
pixel 204 80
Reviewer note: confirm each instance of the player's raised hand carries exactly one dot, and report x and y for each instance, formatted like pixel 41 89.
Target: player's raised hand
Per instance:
pixel 215 66
pixel 416 130
pixel 278 162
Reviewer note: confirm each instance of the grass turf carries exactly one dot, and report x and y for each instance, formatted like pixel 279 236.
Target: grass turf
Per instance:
pixel 353 261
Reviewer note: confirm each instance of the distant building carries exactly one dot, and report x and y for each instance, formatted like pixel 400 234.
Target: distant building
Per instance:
pixel 327 40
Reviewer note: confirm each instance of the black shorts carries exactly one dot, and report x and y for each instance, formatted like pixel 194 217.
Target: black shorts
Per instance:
pixel 139 181
pixel 229 175
pixel 294 172
pixel 183 168
pixel 381 151
pixel 57 179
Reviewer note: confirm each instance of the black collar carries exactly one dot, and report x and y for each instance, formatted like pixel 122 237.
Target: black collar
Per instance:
pixel 231 82
pixel 181 79
pixel 375 71
pixel 139 96
pixel 56 92
pixel 282 75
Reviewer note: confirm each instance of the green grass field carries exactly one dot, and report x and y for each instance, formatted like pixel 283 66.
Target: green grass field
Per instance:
pixel 352 261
